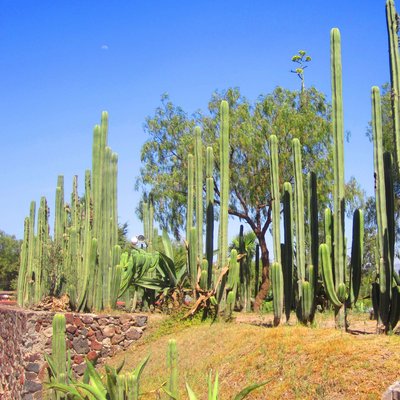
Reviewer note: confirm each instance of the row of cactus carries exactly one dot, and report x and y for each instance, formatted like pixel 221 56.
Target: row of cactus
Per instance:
pixel 81 258
pixel 385 290
pixel 293 288
pixel 333 252
pixel 200 269
pixel 232 276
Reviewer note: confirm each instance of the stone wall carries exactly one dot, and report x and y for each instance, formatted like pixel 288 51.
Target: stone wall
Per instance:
pixel 26 335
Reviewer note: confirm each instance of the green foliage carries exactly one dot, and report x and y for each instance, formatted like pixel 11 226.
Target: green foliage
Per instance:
pixel 280 113
pixel 10 249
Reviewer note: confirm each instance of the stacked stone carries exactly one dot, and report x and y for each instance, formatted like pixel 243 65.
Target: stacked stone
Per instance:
pixel 25 336
pixel 98 337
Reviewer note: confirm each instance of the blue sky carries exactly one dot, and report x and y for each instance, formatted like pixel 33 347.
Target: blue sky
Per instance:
pixel 63 62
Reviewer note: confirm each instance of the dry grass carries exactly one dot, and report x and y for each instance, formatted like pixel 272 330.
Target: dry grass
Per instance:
pixel 304 363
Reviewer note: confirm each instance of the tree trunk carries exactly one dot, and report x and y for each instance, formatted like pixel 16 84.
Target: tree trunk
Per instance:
pixel 265 282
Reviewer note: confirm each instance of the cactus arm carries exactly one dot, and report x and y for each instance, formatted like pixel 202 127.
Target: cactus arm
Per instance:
pixel 327 275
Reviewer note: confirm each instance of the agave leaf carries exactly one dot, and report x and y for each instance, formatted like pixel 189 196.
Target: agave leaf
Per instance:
pixel 139 369
pixel 92 390
pixel 68 389
pixel 190 392
pixel 95 378
pixel 244 392
pixel 172 396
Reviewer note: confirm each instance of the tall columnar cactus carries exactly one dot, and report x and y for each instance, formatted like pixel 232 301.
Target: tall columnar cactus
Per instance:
pixel 190 196
pixel 59 222
pixel 339 249
pixel 85 232
pixel 193 264
pixel 232 284
pixel 276 268
pixel 387 303
pixel 305 274
pixel 172 361
pixel 224 189
pixel 209 212
pixel 392 27
pixel 276 197
pixel 224 197
pixel 333 255
pixel 312 204
pixel 198 147
pixel 244 264
pixel 287 256
pixel 40 269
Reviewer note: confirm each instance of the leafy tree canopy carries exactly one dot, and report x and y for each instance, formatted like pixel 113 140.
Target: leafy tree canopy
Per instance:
pixel 304 114
pixel 9 260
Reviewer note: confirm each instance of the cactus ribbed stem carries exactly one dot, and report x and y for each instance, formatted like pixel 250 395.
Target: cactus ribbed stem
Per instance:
pixel 209 212
pixel 224 190
pixel 198 147
pixel 287 266
pixel 190 196
pixel 392 27
pixel 275 197
pixel 338 165
pixel 299 211
pixel 172 360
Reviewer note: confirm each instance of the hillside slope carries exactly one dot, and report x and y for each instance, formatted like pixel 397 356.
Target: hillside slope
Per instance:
pixel 302 363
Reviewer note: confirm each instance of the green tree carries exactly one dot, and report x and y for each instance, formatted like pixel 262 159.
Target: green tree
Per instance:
pixel 9 260
pixel 170 130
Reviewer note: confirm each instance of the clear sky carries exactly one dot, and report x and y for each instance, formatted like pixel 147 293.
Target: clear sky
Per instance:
pixel 63 62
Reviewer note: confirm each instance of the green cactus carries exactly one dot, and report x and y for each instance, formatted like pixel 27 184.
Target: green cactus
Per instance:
pixel 190 196
pixel 198 147
pixel 224 198
pixel 333 253
pixel 392 27
pixel 276 268
pixel 203 283
pixel 277 291
pixel 275 197
pixel 172 361
pixel 387 303
pixel 287 258
pixel 232 284
pixel 193 261
pixel 209 213
pixel 224 190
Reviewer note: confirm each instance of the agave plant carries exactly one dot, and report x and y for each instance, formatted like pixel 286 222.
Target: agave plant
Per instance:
pixel 214 387
pixel 113 386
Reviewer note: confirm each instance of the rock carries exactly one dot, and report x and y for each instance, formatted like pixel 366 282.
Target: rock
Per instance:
pixel 92 355
pixel 78 359
pixel 126 318
pixel 79 369
pixel 77 322
pixel 95 345
pixel 69 318
pixel 117 338
pixel 32 367
pixel 80 345
pixel 141 320
pixel 87 319
pixel 31 386
pixel 48 332
pixel 109 331
pixel 103 321
pixel 132 334
pixel 71 328
pixel 99 336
